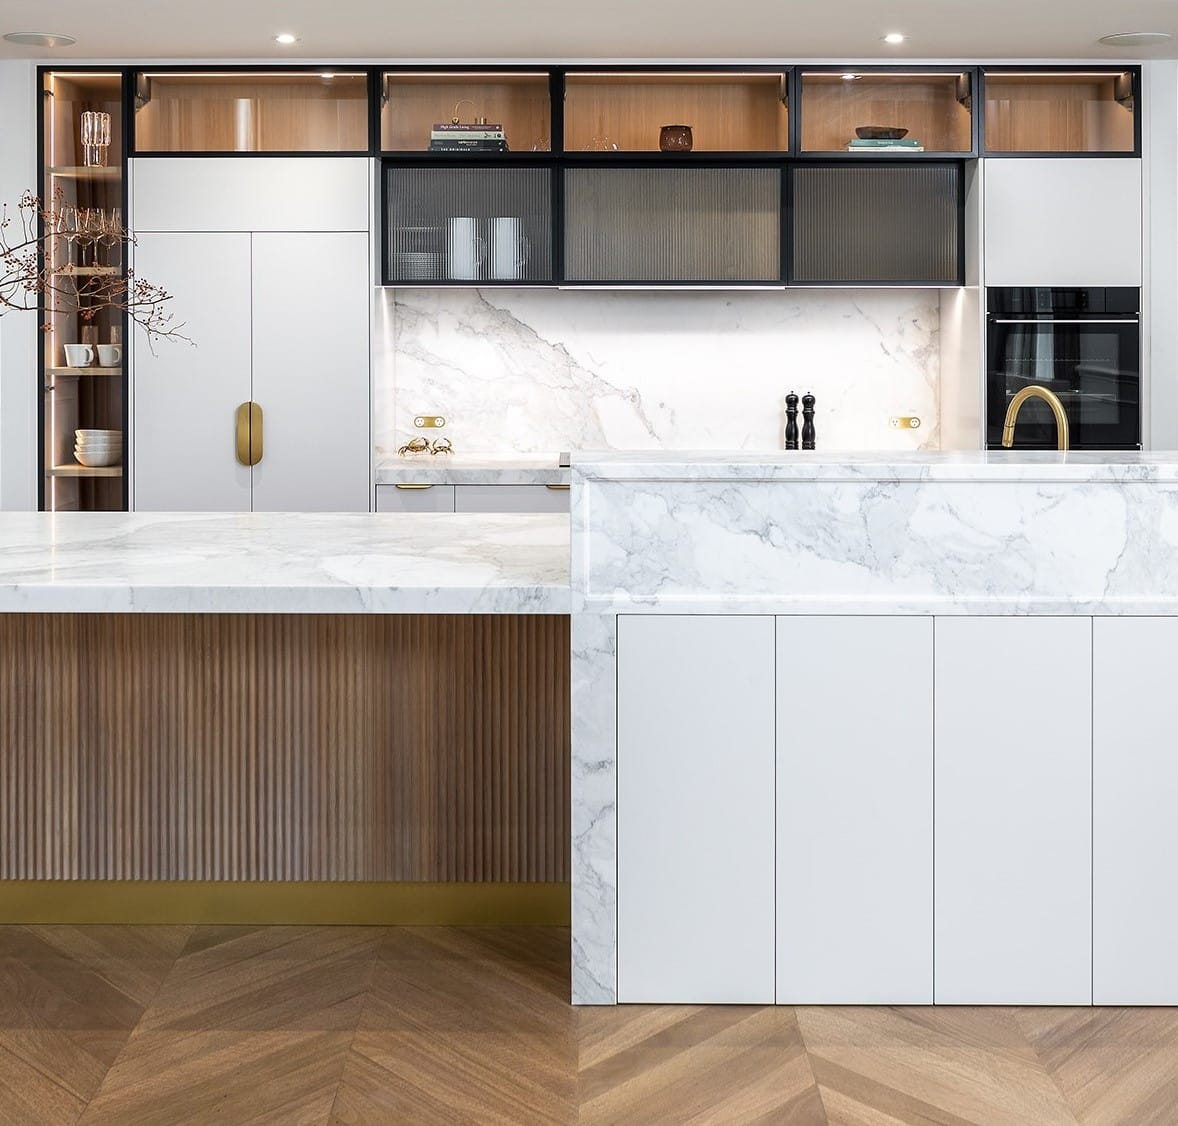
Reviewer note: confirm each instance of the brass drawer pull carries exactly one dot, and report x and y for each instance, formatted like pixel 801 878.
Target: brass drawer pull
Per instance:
pixel 414 486
pixel 249 433
pixel 558 486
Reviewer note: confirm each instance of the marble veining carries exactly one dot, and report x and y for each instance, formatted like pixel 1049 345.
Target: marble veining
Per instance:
pixel 457 469
pixel 314 563
pixel 521 371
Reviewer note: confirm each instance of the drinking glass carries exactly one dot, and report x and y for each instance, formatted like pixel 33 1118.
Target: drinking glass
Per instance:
pixel 95 138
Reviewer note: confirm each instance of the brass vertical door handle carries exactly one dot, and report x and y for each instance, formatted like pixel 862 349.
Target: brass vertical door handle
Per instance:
pixel 249 433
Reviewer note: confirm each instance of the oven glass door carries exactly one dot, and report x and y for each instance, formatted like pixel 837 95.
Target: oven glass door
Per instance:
pixel 1092 365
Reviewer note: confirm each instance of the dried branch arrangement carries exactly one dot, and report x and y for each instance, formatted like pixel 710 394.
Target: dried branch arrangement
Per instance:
pixel 31 266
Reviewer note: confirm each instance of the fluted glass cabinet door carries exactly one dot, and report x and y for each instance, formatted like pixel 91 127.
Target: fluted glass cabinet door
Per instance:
pixel 464 225
pixel 897 224
pixel 701 225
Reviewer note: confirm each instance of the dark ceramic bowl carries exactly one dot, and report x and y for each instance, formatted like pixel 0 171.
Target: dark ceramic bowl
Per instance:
pixel 880 132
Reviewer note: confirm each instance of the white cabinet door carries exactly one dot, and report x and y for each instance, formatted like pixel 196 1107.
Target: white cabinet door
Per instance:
pixel 1013 813
pixel 250 193
pixel 695 809
pixel 311 372
pixel 414 498
pixel 854 811
pixel 1135 828
pixel 510 498
pixel 185 396
pixel 1063 222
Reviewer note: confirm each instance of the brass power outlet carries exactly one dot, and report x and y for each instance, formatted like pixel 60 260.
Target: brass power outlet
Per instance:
pixel 905 422
pixel 429 422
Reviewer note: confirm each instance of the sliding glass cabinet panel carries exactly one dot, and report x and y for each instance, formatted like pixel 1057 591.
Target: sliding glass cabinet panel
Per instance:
pixel 246 111
pixel 467 225
pixel 702 225
pixel 1060 111
pixel 884 224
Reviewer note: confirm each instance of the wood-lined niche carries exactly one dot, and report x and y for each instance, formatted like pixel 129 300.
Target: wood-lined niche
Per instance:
pixel 266 111
pixel 1073 111
pixel 933 107
pixel 730 112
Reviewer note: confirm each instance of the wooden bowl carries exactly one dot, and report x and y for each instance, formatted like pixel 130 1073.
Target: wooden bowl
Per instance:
pixel 880 132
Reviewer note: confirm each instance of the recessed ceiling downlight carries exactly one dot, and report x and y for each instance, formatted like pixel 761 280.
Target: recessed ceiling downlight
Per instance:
pixel 39 39
pixel 1135 38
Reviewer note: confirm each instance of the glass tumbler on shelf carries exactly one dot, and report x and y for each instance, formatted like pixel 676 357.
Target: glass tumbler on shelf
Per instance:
pixel 95 138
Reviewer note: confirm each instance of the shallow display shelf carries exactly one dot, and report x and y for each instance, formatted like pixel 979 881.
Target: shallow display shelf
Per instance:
pixel 1062 111
pixel 931 109
pixel 415 103
pixel 323 110
pixel 96 369
pixel 85 471
pixel 727 112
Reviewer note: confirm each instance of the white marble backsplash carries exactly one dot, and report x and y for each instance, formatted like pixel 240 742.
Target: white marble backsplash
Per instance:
pixel 522 371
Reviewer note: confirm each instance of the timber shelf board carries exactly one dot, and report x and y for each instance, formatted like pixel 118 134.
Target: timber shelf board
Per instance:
pixel 82 172
pixel 88 272
pixel 84 471
pixel 96 369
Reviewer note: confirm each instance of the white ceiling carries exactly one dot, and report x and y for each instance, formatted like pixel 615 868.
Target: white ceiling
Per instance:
pixel 601 29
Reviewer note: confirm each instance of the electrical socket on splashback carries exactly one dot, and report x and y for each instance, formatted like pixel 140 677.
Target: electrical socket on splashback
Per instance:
pixel 905 422
pixel 429 422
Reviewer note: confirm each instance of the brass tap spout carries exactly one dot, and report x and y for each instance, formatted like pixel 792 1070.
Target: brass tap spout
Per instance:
pixel 1051 399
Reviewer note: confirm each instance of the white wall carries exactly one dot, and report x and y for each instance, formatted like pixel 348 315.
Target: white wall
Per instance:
pixel 542 370
pixel 18 331
pixel 1160 309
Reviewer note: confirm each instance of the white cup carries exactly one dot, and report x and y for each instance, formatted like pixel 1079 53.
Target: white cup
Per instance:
pixel 110 355
pixel 466 250
pixel 79 355
pixel 509 248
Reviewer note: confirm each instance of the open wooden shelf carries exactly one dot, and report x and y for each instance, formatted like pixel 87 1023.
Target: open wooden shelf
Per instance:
pixel 256 111
pixel 929 104
pixel 728 112
pixel 93 172
pixel 1070 111
pixel 95 369
pixel 88 271
pixel 85 471
pixel 418 100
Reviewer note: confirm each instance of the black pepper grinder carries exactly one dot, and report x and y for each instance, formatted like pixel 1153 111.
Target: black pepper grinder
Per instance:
pixel 807 422
pixel 791 421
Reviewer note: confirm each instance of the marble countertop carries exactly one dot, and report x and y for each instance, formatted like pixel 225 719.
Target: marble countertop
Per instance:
pixel 315 563
pixel 472 469
pixel 916 465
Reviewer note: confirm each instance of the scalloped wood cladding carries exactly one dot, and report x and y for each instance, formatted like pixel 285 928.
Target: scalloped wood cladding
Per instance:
pixel 284 747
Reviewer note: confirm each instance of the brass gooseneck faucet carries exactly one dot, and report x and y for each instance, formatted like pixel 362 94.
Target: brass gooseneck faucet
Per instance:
pixel 1051 399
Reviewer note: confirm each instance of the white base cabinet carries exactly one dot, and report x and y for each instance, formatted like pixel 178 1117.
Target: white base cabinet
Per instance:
pixel 695 809
pixel 1013 811
pixel 1135 823
pixel 889 810
pixel 854 810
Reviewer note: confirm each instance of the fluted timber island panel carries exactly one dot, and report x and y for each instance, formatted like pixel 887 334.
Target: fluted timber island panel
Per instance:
pixel 284 747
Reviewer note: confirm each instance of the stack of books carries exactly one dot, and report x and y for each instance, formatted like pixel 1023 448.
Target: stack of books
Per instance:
pixel 467 137
pixel 890 144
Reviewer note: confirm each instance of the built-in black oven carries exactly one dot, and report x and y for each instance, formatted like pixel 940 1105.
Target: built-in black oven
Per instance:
pixel 1083 344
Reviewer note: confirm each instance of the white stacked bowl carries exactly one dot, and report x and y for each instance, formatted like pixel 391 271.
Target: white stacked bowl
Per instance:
pixel 96 448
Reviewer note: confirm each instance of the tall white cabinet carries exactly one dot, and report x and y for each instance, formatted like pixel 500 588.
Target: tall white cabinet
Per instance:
pixel 854 810
pixel 269 263
pixel 695 809
pixel 1013 810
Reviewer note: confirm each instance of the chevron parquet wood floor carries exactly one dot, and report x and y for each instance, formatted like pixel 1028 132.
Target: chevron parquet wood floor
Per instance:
pixel 335 1025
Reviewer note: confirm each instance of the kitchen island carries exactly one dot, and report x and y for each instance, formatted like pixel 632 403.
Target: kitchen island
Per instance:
pixel 283 717
pixel 888 729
